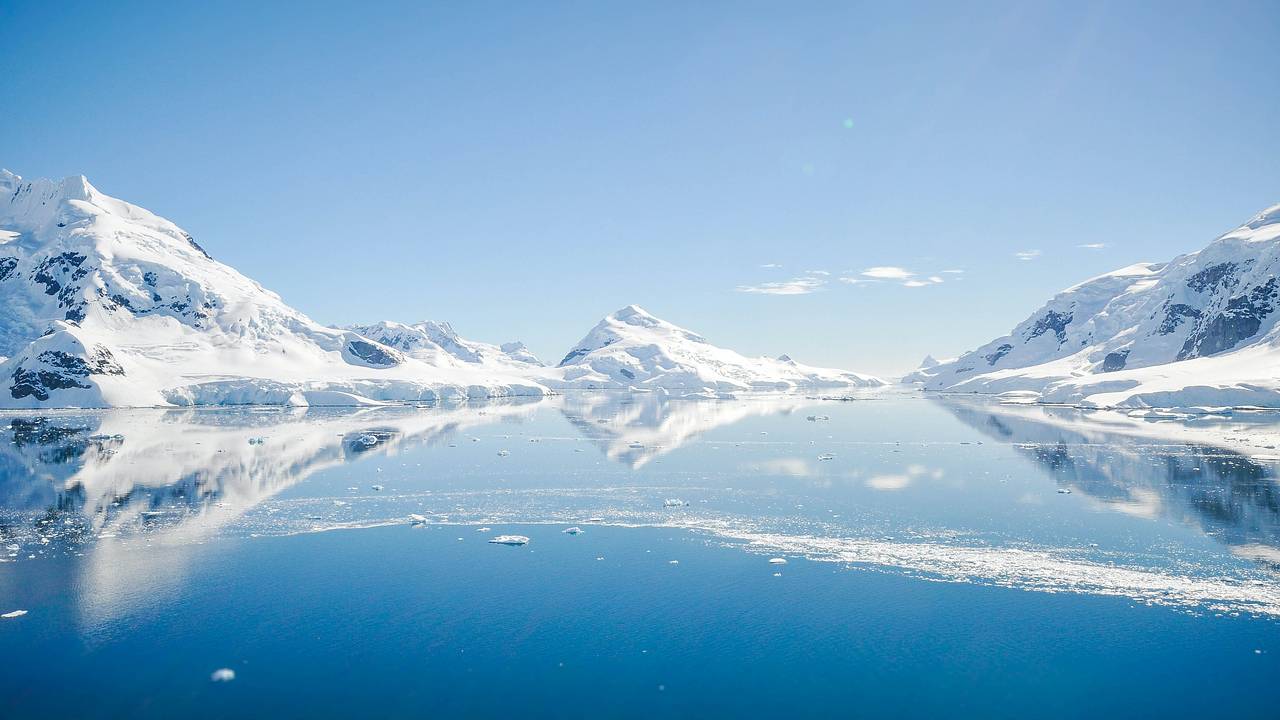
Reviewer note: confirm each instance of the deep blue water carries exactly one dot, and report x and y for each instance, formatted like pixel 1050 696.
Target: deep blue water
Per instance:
pixel 933 566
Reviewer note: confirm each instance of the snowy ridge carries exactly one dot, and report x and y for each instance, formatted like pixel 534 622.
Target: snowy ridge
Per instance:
pixel 1200 330
pixel 439 344
pixel 633 349
pixel 107 304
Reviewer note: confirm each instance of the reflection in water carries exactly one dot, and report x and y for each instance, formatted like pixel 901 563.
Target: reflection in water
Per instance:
pixel 1224 493
pixel 138 492
pixel 635 429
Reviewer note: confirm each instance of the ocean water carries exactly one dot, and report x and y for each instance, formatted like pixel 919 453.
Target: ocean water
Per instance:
pixel 942 557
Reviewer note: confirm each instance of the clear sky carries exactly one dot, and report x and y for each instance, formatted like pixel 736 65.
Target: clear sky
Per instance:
pixel 522 169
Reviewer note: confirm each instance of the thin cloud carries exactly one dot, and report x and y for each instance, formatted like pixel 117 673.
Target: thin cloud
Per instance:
pixel 794 286
pixel 822 273
pixel 1092 246
pixel 1027 255
pixel 771 266
pixel 952 272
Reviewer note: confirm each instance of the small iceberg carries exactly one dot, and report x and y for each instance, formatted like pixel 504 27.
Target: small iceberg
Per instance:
pixel 575 530
pixel 223 675
pixel 503 453
pixel 377 488
pixel 1064 491
pixel 13 614
pixel 510 540
pixel 826 456
pixel 417 519
pixel 673 502
pixel 777 561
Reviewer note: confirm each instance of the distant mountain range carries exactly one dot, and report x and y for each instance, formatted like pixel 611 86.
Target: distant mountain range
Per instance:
pixel 108 305
pixel 1199 330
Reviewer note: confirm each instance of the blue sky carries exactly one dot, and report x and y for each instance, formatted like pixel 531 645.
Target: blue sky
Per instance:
pixel 522 169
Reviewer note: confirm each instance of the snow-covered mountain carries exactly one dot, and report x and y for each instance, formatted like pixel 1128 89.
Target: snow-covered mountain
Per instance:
pixel 438 343
pixel 106 304
pixel 1198 330
pixel 633 349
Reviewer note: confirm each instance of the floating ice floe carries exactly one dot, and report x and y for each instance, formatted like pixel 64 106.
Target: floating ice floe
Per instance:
pixel 575 530
pixel 827 456
pixel 13 614
pixel 777 561
pixel 673 502
pixel 1064 491
pixel 377 487
pixel 223 675
pixel 417 519
pixel 673 562
pixel 503 453
pixel 510 540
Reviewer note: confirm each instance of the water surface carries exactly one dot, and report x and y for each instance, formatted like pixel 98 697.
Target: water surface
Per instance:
pixel 943 555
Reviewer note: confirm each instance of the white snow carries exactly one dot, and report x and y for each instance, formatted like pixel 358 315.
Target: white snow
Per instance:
pixel 1200 330
pixel 632 349
pixel 107 304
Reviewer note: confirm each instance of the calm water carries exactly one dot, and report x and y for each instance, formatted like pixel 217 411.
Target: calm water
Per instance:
pixel 943 557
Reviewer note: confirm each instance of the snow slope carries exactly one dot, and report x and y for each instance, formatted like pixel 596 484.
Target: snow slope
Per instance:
pixel 107 304
pixel 633 349
pixel 438 343
pixel 1200 330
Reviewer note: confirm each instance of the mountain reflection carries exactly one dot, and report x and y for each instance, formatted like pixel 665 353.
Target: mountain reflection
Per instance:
pixel 1224 493
pixel 635 429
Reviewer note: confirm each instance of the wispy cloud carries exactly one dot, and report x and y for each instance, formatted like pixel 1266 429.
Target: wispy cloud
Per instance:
pixel 893 273
pixel 1092 246
pixel 822 273
pixel 771 266
pixel 887 272
pixel 1027 255
pixel 794 286
pixel 952 272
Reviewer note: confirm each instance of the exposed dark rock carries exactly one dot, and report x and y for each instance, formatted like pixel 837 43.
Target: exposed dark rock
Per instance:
pixel 1175 315
pixel 1212 277
pixel 1052 320
pixel 372 353
pixel 64 372
pixel 627 373
pixel 196 245
pixel 7 264
pixel 1115 361
pixel 1238 321
pixel 1000 352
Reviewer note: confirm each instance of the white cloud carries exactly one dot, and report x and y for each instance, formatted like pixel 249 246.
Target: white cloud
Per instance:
pixel 794 286
pixel 887 272
pixel 771 266
pixel 916 283
pixel 1092 246
pixel 952 272
pixel 888 482
pixel 935 279
pixel 1027 254
pixel 822 273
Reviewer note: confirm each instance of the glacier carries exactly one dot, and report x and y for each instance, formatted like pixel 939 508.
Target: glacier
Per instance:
pixel 1198 331
pixel 109 305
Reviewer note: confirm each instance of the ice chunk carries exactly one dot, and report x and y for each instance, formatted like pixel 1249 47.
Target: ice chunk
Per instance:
pixel 223 675
pixel 575 530
pixel 673 502
pixel 827 456
pixel 14 614
pixel 377 487
pixel 510 540
pixel 777 561
pixel 503 453
pixel 417 519
pixel 1064 491
pixel 673 562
